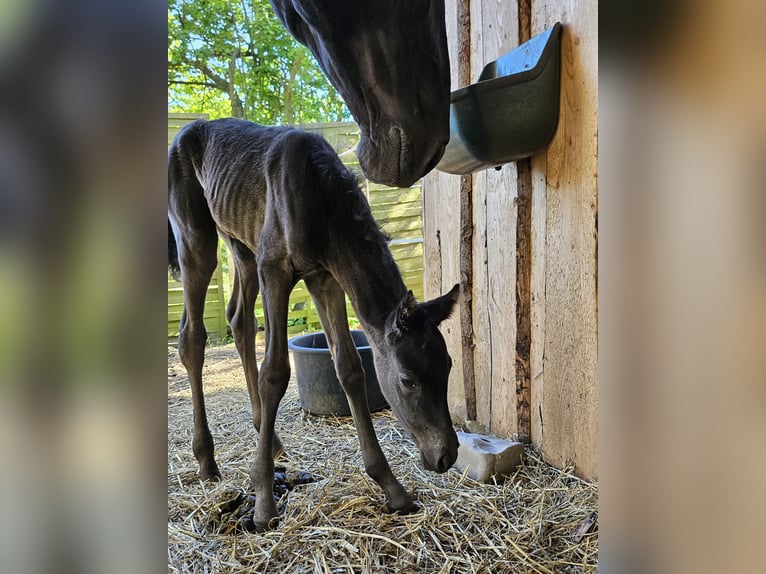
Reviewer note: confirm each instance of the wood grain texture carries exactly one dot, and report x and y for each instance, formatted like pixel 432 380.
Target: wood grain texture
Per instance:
pixel 467 288
pixel 481 356
pixel 442 239
pixel 466 224
pixel 523 299
pixel 501 297
pixel 523 267
pixel 441 211
pixel 568 389
pixel 537 295
pixel 494 32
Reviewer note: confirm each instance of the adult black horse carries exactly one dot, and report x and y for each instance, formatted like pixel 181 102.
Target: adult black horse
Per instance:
pixel 389 61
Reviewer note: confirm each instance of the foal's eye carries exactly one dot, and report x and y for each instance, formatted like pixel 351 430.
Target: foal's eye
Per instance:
pixel 408 383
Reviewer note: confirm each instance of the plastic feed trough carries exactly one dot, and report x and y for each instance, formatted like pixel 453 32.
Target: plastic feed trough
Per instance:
pixel 318 386
pixel 511 112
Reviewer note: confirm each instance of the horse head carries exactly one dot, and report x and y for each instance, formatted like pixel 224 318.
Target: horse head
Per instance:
pixel 390 63
pixel 413 366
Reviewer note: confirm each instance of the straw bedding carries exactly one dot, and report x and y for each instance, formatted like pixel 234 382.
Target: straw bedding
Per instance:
pixel 529 523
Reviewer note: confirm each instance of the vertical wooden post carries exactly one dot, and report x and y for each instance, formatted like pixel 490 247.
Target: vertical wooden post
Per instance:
pixel 524 267
pixel 466 224
pixel 221 295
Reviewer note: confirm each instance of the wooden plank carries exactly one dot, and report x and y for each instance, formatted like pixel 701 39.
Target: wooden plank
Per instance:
pixel 501 299
pixel 523 267
pixel 440 209
pixel 523 300
pixel 221 296
pixel 481 358
pixel 466 223
pixel 537 293
pixel 380 187
pixel 402 228
pixel 390 211
pixel 493 33
pixel 432 252
pixel 383 197
pixel 177 121
pixel 342 136
pixel 568 395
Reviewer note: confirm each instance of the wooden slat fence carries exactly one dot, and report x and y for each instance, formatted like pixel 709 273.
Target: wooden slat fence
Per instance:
pixel 397 211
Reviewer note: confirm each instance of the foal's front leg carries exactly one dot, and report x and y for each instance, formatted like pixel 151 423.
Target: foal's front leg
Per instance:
pixel 331 306
pixel 276 283
pixel 351 376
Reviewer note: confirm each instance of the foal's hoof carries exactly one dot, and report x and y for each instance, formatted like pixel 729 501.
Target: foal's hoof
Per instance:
pixel 260 524
pixel 251 525
pixel 209 473
pixel 402 506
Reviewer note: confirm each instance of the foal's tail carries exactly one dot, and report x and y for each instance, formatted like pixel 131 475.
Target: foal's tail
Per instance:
pixel 187 206
pixel 173 264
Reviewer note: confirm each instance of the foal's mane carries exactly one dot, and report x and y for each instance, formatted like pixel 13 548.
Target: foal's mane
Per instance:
pixel 342 194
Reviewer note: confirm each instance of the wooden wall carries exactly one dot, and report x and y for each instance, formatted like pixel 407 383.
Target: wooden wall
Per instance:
pixel 523 243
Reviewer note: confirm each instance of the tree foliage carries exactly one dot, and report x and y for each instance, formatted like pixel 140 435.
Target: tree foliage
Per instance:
pixel 234 58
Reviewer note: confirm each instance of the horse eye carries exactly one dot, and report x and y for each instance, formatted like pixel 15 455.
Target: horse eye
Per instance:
pixel 408 384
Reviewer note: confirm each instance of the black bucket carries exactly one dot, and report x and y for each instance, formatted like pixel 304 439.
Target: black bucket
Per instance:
pixel 318 387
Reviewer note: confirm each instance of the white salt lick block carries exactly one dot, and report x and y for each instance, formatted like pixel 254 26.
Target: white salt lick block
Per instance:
pixel 486 456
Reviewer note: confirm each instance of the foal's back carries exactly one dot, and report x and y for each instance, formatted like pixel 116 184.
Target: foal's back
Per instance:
pixel 252 175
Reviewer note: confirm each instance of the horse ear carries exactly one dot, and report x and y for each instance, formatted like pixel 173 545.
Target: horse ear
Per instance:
pixel 439 309
pixel 402 318
pixel 411 316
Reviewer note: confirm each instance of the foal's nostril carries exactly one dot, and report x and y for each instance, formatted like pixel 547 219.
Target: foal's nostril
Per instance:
pixel 445 462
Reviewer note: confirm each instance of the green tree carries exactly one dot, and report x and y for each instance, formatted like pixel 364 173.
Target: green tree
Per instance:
pixel 234 58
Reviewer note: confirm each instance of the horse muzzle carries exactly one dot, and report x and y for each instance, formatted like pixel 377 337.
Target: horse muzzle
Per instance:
pixel 440 457
pixel 398 158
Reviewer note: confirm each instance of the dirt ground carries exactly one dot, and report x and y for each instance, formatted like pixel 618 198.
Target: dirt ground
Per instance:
pixel 337 524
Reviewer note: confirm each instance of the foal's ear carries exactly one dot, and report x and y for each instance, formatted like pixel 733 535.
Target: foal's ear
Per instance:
pixel 411 316
pixel 439 309
pixel 402 317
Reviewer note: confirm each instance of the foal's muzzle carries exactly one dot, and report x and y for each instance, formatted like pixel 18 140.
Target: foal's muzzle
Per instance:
pixel 441 457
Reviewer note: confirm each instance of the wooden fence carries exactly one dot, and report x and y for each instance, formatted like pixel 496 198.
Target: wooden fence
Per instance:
pixel 397 211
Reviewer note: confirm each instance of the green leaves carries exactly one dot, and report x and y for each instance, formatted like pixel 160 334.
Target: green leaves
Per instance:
pixel 234 58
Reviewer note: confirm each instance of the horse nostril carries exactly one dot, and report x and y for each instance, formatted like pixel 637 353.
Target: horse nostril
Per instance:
pixel 444 464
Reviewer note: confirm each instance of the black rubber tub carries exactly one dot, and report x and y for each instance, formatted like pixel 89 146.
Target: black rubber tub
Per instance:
pixel 318 387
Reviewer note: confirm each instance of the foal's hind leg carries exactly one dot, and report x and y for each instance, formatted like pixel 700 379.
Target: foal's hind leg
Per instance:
pixel 241 315
pixel 197 257
pixel 331 306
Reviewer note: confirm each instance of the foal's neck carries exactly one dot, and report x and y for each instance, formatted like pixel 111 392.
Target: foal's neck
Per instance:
pixel 369 275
